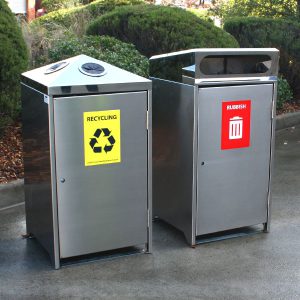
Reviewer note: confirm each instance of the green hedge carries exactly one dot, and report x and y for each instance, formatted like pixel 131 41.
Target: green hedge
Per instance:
pixel 266 32
pixel 284 92
pixel 13 61
pixel 104 48
pixel 52 5
pixel 67 16
pixel 254 8
pixel 159 29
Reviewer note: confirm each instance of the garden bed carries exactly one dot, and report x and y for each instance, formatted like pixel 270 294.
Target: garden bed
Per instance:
pixel 289 107
pixel 11 161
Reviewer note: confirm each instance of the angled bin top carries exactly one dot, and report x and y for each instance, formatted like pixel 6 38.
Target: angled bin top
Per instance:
pixel 219 66
pixel 81 75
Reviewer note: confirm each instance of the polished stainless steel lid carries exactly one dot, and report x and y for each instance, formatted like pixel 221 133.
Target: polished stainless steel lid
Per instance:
pixel 210 66
pixel 83 75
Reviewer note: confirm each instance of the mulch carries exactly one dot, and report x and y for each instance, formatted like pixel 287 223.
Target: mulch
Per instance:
pixel 289 108
pixel 11 161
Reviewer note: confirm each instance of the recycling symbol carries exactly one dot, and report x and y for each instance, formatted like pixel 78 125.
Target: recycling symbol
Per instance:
pixel 98 135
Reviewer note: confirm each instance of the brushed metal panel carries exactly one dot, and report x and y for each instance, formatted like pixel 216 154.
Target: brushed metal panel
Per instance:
pixel 37 172
pixel 233 184
pixel 101 207
pixel 173 137
pixel 267 225
pixel 150 173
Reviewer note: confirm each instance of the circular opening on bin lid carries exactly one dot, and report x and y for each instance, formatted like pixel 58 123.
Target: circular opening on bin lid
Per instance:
pixel 56 67
pixel 92 69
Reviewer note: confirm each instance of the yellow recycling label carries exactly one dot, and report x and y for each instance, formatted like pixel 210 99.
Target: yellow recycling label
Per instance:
pixel 102 137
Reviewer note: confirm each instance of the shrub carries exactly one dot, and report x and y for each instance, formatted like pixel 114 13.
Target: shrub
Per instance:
pixel 67 16
pixel 258 8
pixel 266 32
pixel 13 61
pixel 284 92
pixel 158 29
pixel 201 13
pixel 101 7
pixel 64 16
pixel 40 39
pixel 52 5
pixel 104 48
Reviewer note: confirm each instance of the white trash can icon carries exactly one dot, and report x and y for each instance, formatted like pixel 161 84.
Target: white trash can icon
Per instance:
pixel 236 128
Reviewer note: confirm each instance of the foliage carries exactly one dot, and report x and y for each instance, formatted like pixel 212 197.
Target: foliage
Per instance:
pixel 104 48
pixel 40 39
pixel 201 13
pixel 101 7
pixel 13 61
pixel 159 29
pixel 52 5
pixel 67 16
pixel 267 32
pixel 259 8
pixel 284 92
pixel 4 121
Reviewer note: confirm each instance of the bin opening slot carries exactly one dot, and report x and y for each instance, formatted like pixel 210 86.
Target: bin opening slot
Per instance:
pixel 235 64
pixel 92 69
pixel 56 67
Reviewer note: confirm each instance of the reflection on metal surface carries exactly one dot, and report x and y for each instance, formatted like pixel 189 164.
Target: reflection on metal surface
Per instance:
pixel 173 121
pixel 171 67
pixel 36 154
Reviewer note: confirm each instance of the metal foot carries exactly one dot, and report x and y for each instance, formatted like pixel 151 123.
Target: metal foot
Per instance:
pixel 148 249
pixel 190 238
pixel 266 228
pixel 27 236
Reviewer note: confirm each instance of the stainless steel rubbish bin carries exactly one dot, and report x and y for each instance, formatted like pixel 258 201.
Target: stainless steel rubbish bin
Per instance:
pixel 213 135
pixel 87 156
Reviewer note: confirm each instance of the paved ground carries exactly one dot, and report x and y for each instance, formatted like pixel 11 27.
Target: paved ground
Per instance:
pixel 263 266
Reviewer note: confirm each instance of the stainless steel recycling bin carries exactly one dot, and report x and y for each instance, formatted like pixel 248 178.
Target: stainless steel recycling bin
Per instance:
pixel 87 156
pixel 213 135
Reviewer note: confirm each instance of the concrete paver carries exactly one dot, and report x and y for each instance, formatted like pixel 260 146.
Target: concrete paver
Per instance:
pixel 262 266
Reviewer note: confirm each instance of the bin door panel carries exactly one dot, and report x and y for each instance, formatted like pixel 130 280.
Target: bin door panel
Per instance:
pixel 101 172
pixel 233 156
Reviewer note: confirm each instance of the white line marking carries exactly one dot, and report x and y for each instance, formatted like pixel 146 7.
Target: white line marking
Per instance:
pixel 11 206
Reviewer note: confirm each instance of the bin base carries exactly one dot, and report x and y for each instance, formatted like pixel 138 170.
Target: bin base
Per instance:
pixel 106 255
pixel 228 234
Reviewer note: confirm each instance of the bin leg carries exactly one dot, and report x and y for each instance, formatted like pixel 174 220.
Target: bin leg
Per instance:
pixel 149 248
pixel 27 235
pixel 266 227
pixel 190 238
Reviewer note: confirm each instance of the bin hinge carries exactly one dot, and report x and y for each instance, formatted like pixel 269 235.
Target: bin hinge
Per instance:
pixel 147 120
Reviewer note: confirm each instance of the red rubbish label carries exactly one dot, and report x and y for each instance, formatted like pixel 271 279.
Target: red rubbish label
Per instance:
pixel 235 132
